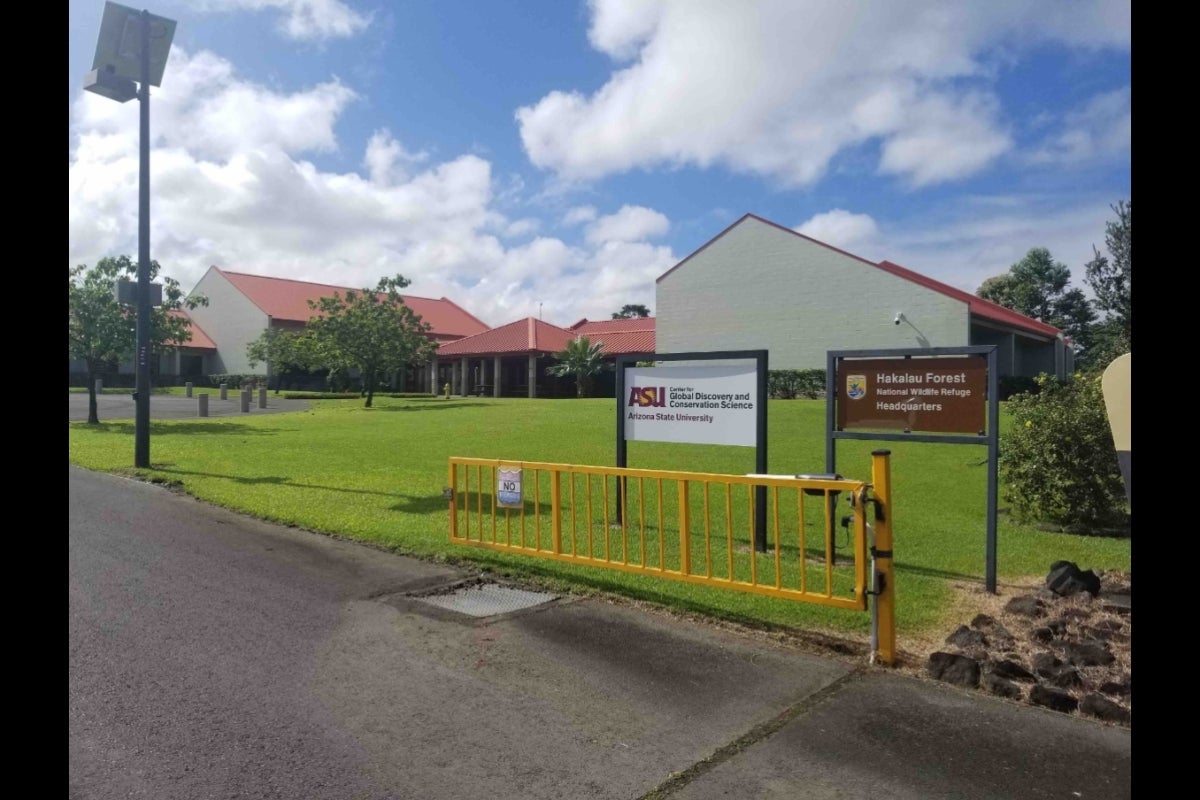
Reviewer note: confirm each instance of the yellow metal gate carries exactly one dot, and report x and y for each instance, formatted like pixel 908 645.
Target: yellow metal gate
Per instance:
pixel 688 526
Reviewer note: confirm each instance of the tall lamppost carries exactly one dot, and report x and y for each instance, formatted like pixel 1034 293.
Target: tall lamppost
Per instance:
pixel 133 46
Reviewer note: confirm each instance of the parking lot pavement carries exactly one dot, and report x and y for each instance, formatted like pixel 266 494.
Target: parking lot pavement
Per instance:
pixel 165 406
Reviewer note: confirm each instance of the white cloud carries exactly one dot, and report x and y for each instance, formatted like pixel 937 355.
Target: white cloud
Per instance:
pixel 779 88
pixel 630 224
pixel 386 159
pixel 210 112
pixel 976 239
pixel 854 233
pixel 521 227
pixel 254 203
pixel 1102 128
pixel 578 215
pixel 984 236
pixel 304 20
pixel 919 151
pixel 621 29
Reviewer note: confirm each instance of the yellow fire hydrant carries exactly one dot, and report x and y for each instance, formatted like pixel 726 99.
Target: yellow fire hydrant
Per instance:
pixel 446 389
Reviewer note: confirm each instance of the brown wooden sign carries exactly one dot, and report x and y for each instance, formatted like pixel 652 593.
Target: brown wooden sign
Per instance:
pixel 937 395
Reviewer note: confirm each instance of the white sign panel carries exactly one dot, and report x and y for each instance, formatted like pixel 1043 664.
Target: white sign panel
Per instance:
pixel 695 405
pixel 508 487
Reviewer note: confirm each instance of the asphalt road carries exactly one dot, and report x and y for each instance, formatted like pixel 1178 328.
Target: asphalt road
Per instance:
pixel 215 656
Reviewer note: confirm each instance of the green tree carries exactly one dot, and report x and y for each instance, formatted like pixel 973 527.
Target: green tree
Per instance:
pixel 372 331
pixel 631 311
pixel 1110 277
pixel 100 330
pixel 582 359
pixel 1037 286
pixel 285 352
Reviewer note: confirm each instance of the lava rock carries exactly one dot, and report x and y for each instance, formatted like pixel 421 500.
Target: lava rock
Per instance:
pixel 1088 654
pixel 1055 672
pixel 999 686
pixel 1054 699
pixel 965 637
pixel 1121 688
pixel 1101 707
pixel 1066 579
pixel 1116 603
pixel 1026 606
pixel 1044 661
pixel 955 669
pixel 983 621
pixel 1064 677
pixel 1042 634
pixel 1011 670
pixel 1106 630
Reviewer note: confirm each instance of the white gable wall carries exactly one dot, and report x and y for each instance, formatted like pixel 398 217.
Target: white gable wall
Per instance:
pixel 761 287
pixel 231 321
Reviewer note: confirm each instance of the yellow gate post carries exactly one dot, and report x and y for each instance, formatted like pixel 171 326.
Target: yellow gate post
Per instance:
pixel 885 582
pixel 685 533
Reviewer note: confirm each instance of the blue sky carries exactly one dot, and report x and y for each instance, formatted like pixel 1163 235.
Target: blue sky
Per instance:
pixel 565 154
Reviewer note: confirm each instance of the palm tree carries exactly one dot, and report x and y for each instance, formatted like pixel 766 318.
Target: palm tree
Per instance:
pixel 582 359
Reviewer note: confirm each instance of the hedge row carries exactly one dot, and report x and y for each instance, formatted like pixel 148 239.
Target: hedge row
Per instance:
pixel 789 384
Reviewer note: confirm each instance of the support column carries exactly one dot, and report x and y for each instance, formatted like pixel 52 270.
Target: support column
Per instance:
pixel 433 376
pixel 497 372
pixel 465 366
pixel 533 375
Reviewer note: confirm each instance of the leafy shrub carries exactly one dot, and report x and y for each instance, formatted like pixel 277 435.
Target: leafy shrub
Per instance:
pixel 1058 462
pixel 788 384
pixel 234 381
pixel 1018 384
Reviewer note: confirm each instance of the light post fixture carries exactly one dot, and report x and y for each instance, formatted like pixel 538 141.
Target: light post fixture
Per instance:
pixel 133 46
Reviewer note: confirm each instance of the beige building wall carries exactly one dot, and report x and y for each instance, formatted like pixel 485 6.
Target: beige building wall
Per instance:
pixel 758 286
pixel 231 321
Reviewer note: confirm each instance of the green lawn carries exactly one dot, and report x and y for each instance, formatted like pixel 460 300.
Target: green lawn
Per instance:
pixel 376 475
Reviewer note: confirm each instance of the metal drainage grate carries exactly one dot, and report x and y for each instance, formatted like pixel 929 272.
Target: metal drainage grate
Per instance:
pixel 487 600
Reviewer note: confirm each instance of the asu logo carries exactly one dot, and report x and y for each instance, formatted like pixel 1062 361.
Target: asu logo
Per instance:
pixel 856 386
pixel 648 396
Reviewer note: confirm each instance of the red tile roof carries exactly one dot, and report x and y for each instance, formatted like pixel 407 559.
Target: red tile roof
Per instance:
pixel 976 305
pixel 197 338
pixel 620 336
pixel 287 300
pixel 529 335
pixel 532 335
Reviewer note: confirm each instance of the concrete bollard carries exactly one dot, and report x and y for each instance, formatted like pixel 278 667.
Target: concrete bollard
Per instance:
pixel 99 385
pixel 224 391
pixel 245 401
pixel 262 397
pixel 187 389
pixel 203 404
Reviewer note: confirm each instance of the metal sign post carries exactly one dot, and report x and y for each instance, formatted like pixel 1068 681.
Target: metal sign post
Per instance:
pixel 697 415
pixel 932 394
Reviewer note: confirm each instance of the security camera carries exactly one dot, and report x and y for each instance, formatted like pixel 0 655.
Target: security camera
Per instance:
pixel 899 318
